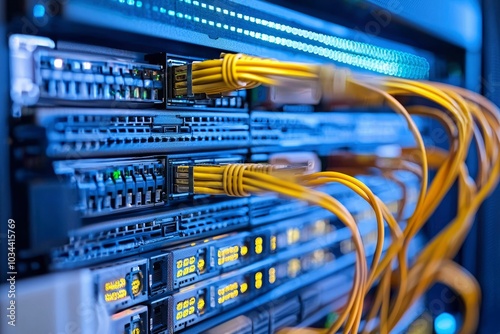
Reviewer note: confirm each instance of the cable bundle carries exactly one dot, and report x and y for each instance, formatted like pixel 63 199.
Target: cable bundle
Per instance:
pixel 237 71
pixel 467 118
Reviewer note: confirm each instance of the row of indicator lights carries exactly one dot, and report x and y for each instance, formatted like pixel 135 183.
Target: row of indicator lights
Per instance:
pixel 293 267
pixel 259 245
pixel 187 266
pixel 328 40
pixel 293 235
pixel 272 275
pixel 59 64
pixel 258 280
pixel 185 308
pixel 362 61
pixel 229 292
pixel 230 254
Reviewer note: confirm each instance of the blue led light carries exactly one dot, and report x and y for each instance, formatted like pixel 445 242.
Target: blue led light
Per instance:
pixel 38 11
pixel 353 53
pixel 445 323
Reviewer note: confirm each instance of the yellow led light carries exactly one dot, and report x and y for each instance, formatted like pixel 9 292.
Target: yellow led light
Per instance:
pixel 258 275
pixel 179 273
pixel 243 287
pixel 273 243
pixel 201 304
pixel 192 300
pixel 272 275
pixel 191 310
pixel 178 316
pixel 179 264
pixel 185 313
pixel 201 264
pixel 192 259
pixel 186 262
pixel 258 284
pixel 185 304
pixel 320 226
pixel 136 286
pixel 258 249
pixel 244 250
pixel 258 241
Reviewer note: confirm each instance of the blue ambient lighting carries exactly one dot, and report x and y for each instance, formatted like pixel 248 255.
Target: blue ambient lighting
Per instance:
pixel 38 11
pixel 349 52
pixel 445 323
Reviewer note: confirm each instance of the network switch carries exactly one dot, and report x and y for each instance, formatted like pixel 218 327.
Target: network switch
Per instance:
pixel 101 239
pixel 42 73
pixel 150 275
pixel 112 185
pixel 208 298
pixel 94 132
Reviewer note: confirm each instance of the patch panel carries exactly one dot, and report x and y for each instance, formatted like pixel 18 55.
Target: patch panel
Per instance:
pixel 93 132
pixel 63 76
pixel 179 186
pixel 108 185
pixel 180 96
pixel 101 241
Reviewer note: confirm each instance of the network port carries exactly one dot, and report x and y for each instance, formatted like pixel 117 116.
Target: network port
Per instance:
pixel 180 181
pixel 106 186
pixel 179 94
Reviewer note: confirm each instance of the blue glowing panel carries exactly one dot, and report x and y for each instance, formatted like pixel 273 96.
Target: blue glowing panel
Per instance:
pixel 238 22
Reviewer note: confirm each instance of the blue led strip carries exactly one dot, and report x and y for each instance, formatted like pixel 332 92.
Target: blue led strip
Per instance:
pixel 204 17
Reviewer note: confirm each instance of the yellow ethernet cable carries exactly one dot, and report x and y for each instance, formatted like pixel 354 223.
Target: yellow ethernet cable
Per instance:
pixel 466 117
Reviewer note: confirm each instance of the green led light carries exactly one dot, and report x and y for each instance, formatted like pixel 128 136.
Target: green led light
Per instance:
pixel 116 174
pixel 171 13
pixel 163 10
pixel 138 4
pixel 131 2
